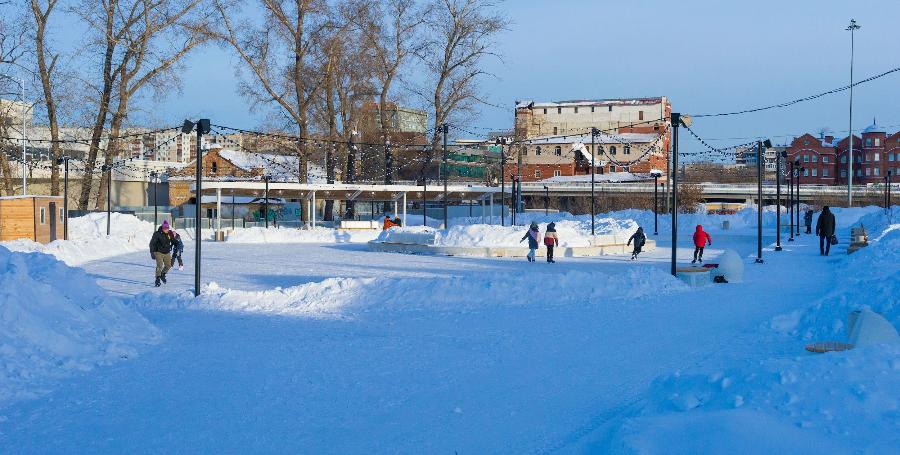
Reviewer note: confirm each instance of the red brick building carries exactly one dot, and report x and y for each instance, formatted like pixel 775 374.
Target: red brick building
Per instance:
pixel 826 160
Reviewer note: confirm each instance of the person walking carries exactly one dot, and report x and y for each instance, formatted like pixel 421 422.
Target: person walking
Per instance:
pixel 639 238
pixel 807 220
pixel 532 236
pixel 551 240
pixel 177 249
pixel 160 250
pixel 701 239
pixel 825 231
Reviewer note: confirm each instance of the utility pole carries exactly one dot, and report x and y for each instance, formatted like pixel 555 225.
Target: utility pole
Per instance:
pixel 445 129
pixel 546 200
pixel 852 28
pixel 797 193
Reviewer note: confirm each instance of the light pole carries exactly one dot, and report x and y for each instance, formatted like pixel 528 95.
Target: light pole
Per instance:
pixel 781 156
pixel 791 200
pixel 890 209
pixel 203 127
pixel 799 174
pixel 64 160
pixel 676 122
pixel 887 190
pixel 594 133
pixel 445 129
pixel 852 28
pixel 108 169
pixel 501 142
pixel 759 196
pixel 656 176
pixel 154 175
pixel 266 201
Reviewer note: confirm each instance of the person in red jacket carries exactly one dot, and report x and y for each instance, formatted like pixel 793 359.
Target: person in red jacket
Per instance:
pixel 701 239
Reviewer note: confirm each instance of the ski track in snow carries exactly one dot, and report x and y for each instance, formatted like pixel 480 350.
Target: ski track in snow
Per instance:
pixel 487 376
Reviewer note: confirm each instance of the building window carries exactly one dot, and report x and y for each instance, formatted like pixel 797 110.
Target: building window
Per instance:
pixel 610 108
pixel 557 151
pixel 806 142
pixel 537 173
pixel 627 150
pixel 859 172
pixel 557 173
pixel 576 110
pixel 877 157
pixel 876 171
pixel 537 151
pixel 868 171
pixel 612 149
pixel 599 150
pixel 825 159
pixel 844 159
pixel 815 172
pixel 613 169
pixel 815 158
pixel 844 173
pixel 214 168
pixel 868 142
pixel 545 111
pixel 891 157
pixel 555 131
pixel 43 215
pixel 559 110
pixel 806 158
pixel 825 172
pixel 877 142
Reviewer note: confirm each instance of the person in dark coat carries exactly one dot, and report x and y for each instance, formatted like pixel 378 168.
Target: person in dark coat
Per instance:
pixel 398 222
pixel 532 236
pixel 551 240
pixel 639 238
pixel 160 250
pixel 825 230
pixel 807 220
pixel 177 249
pixel 701 239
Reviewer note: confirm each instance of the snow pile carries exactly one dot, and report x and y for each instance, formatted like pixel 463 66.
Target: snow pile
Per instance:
pixel 831 403
pixel 55 321
pixel 293 235
pixel 342 297
pixel 88 240
pixel 571 232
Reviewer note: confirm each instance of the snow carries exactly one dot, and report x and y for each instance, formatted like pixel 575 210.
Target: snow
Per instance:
pixel 294 235
pixel 55 322
pixel 315 345
pixel 88 240
pixel 281 168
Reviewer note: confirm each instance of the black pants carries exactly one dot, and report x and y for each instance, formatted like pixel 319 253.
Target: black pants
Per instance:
pixel 808 230
pixel 178 257
pixel 824 244
pixel 698 253
pixel 637 251
pixel 549 253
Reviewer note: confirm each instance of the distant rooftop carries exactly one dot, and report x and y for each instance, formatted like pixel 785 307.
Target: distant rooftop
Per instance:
pixel 594 102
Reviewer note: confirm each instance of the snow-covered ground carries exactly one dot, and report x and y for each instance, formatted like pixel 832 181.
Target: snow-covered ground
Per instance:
pixel 329 348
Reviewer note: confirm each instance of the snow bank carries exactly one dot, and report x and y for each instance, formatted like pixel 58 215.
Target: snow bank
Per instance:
pixel 55 321
pixel 571 232
pixel 342 297
pixel 292 235
pixel 88 240
pixel 831 403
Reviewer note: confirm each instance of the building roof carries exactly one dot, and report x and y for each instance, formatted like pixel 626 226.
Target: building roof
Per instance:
pixel 594 102
pixel 614 139
pixel 874 128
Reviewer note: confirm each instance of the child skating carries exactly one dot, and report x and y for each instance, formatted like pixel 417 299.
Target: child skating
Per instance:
pixel 551 240
pixel 639 239
pixel 532 236
pixel 177 249
pixel 701 239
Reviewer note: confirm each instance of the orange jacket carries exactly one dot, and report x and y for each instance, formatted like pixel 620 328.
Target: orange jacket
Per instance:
pixel 388 224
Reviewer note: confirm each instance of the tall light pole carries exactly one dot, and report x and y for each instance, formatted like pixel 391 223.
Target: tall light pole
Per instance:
pixel 791 200
pixel 501 142
pixel 676 122
pixel 656 176
pixel 778 176
pixel 64 160
pixel 852 28
pixel 154 175
pixel 799 174
pixel 594 133
pixel 759 196
pixel 445 129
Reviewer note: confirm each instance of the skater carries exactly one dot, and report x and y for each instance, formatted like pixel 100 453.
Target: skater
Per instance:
pixel 639 239
pixel 701 239
pixel 160 250
pixel 398 222
pixel 387 222
pixel 807 220
pixel 532 236
pixel 177 249
pixel 825 230
pixel 551 240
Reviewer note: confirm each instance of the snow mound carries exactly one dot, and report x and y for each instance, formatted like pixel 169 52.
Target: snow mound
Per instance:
pixel 571 232
pixel 88 240
pixel 289 235
pixel 56 321
pixel 344 297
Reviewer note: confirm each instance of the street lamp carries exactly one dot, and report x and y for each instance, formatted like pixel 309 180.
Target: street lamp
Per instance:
pixel 154 175
pixel 203 127
pixel 656 175
pixel 852 28
pixel 760 146
pixel 791 200
pixel 778 178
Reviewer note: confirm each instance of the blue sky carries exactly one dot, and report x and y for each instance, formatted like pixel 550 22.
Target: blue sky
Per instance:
pixel 706 56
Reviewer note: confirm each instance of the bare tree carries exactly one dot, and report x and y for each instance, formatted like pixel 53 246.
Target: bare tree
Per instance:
pixel 462 32
pixel 162 37
pixel 46 65
pixel 280 53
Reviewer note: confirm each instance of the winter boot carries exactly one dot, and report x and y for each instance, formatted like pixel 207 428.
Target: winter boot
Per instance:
pixel 163 277
pixel 157 282
pixel 694 261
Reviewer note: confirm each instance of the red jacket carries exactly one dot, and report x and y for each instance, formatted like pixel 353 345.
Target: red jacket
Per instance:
pixel 701 238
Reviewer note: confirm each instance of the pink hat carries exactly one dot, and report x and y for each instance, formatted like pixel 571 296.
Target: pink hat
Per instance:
pixel 165 224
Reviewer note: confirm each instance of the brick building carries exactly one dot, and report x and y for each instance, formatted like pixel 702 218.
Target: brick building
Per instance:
pixel 556 139
pixel 825 159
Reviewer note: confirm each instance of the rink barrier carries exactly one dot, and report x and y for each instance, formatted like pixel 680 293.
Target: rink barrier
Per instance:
pixel 500 252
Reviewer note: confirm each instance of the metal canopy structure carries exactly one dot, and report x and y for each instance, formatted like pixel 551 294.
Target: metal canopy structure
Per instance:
pixel 310 192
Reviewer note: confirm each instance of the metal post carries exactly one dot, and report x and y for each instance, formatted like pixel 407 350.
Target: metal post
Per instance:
pixel 155 210
pixel 759 200
pixel 853 27
pixel 233 208
pixel 513 199
pixel 502 186
pixel 218 212
pixel 424 199
pixel 404 209
pixel 445 129
pixel 676 122
pixel 65 198
pixel 266 201
pixel 108 170
pixel 778 200
pixel 655 204
pixel 202 127
pixel 594 133
pixel 546 200
pixel 799 174
pixel 791 201
pixel 24 161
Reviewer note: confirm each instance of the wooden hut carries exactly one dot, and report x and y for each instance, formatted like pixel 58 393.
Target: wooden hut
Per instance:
pixel 38 218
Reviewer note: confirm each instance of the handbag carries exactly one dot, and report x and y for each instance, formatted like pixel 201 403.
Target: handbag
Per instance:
pixel 834 240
